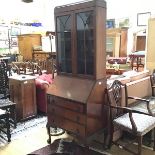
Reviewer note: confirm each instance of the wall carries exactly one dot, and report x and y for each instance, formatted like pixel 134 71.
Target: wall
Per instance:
pixel 43 10
pixel 150 57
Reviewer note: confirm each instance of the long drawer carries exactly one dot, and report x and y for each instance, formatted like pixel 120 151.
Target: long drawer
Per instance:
pixel 75 106
pixel 67 125
pixel 66 113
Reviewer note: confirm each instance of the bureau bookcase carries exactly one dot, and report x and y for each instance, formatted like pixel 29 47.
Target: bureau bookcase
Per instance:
pixel 75 99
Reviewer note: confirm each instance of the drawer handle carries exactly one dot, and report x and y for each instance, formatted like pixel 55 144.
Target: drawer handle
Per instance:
pixel 77 118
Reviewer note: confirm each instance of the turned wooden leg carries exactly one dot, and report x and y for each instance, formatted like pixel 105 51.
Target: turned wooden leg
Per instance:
pixel 48 132
pixel 8 128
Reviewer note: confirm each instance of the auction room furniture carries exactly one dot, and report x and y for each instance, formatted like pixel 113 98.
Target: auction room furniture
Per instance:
pixel 23 93
pixel 125 119
pixel 116 42
pixel 136 59
pixel 139 41
pixel 146 104
pixel 75 98
pixel 5 103
pixel 41 55
pixel 26 43
pixel 42 84
pixel 5 124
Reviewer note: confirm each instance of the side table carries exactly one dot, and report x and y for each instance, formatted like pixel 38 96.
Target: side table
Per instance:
pixel 23 93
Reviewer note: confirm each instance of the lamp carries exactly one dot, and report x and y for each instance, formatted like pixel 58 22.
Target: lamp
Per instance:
pixel 27 1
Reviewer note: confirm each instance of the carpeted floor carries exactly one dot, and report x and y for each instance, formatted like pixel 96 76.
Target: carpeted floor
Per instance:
pixel 36 129
pixel 23 128
pixel 66 147
pixel 27 126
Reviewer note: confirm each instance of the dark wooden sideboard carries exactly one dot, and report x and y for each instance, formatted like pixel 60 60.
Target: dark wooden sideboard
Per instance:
pixel 75 99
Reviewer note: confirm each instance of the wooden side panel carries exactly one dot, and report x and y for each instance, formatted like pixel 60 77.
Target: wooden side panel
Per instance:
pixel 29 99
pixel 95 115
pixel 100 39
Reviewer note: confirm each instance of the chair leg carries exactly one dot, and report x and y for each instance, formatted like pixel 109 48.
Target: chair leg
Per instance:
pixel 154 139
pixel 8 128
pixel 140 139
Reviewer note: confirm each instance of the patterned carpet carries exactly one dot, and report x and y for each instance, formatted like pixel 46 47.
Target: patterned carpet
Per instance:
pixel 25 127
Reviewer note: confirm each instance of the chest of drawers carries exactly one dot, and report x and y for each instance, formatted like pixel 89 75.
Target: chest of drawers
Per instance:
pixel 79 113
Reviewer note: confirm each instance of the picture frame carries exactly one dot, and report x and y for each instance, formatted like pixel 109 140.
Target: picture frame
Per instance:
pixel 110 23
pixel 142 18
pixel 15 31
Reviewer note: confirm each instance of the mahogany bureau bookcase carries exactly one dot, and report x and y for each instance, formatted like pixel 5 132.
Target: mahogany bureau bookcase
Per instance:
pixel 75 98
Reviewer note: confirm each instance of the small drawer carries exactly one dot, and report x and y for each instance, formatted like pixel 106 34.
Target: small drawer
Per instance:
pixel 75 106
pixel 68 114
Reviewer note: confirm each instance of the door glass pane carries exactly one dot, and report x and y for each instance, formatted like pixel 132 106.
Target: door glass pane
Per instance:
pixel 85 43
pixel 64 43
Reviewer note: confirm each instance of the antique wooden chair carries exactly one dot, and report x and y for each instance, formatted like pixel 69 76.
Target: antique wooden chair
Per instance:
pixel 5 124
pixel 5 103
pixel 124 118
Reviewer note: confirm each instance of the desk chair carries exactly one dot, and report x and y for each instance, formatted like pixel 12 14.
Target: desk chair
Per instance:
pixel 125 119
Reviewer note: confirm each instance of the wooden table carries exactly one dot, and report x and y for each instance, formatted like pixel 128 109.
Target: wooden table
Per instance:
pixel 137 57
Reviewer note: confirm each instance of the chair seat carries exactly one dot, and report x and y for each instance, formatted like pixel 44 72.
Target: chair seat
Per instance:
pixel 2 112
pixel 142 106
pixel 144 123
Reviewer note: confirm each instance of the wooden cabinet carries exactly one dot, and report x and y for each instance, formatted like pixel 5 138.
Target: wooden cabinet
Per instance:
pixel 75 99
pixel 23 92
pixel 26 42
pixel 139 42
pixel 116 42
